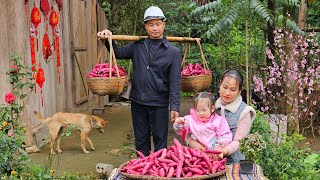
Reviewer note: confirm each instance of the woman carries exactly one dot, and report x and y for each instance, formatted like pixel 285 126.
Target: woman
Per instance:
pixel 239 115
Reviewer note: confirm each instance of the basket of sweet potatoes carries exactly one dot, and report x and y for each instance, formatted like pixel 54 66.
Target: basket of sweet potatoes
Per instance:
pixel 107 78
pixel 174 162
pixel 195 77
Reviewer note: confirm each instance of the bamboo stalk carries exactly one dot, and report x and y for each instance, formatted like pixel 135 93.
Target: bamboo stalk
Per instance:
pixel 138 38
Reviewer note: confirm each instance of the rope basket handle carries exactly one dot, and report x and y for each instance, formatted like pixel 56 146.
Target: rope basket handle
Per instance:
pixel 204 61
pixel 112 57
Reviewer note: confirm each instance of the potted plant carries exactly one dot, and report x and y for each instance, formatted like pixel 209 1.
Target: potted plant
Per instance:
pixel 250 146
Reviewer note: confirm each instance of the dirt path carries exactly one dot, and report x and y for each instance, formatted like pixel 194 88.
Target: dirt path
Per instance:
pixel 112 146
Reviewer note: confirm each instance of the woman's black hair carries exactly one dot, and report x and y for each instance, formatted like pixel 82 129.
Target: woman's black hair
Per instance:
pixel 204 94
pixel 234 74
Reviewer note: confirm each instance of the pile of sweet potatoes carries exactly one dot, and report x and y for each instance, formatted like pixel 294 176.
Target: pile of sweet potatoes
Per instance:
pixel 176 161
pixel 102 70
pixel 194 69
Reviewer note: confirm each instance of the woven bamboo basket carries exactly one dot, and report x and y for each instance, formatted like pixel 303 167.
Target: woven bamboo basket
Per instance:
pixel 195 83
pixel 107 85
pixel 149 177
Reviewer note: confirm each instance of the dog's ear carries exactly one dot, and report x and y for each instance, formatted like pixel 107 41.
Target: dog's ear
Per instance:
pixel 94 122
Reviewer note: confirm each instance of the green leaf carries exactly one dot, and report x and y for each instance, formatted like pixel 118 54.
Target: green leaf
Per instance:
pixel 23 96
pixel 46 176
pixel 312 159
pixel 68 134
pixel 207 7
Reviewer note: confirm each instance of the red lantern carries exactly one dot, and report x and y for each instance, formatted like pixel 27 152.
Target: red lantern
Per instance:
pixel 53 19
pixel 35 17
pixel 40 77
pixel 40 80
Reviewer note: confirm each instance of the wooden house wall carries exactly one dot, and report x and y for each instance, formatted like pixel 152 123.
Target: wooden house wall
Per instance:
pixel 79 22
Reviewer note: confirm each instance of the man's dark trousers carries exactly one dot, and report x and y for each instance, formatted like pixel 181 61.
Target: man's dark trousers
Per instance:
pixel 147 121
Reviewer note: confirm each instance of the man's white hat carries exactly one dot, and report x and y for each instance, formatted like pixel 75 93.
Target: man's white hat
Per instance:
pixel 153 12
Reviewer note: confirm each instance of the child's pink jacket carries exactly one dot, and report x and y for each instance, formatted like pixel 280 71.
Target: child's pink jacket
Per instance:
pixel 209 133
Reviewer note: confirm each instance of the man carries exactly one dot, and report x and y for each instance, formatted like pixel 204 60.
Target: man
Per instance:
pixel 155 81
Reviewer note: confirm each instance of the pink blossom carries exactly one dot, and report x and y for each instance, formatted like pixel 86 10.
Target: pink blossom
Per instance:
pixel 301 94
pixel 10 133
pixel 14 69
pixel 311 113
pixel 311 51
pixel 9 98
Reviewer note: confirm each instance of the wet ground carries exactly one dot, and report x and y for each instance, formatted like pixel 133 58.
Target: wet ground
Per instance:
pixel 114 146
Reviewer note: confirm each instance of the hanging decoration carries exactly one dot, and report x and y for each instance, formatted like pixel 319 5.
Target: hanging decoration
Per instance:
pixel 34 42
pixel 59 2
pixel 46 47
pixel 40 80
pixel 32 48
pixel 36 19
pixel 53 20
pixel 45 6
pixel 57 48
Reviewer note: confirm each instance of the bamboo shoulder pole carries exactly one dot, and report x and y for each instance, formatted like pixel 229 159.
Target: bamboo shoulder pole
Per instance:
pixel 138 38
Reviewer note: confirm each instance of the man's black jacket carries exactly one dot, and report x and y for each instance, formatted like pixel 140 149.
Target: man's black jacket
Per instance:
pixel 156 78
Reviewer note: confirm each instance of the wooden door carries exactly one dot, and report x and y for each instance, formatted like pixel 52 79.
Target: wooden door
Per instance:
pixel 79 27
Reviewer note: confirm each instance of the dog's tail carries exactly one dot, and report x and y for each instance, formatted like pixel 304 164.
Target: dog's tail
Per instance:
pixel 40 117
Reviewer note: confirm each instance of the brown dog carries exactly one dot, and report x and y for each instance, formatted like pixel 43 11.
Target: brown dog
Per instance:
pixel 59 120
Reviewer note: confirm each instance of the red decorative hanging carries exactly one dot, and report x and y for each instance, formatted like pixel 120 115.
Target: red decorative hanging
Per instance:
pixel 35 17
pixel 33 53
pixel 59 2
pixel 45 6
pixel 40 80
pixel 57 48
pixel 53 20
pixel 46 47
pixel 40 77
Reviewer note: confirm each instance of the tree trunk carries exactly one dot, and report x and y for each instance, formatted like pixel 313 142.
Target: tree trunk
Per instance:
pixel 292 111
pixel 270 29
pixel 302 14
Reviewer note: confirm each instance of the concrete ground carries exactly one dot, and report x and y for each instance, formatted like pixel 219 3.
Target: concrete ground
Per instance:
pixel 114 146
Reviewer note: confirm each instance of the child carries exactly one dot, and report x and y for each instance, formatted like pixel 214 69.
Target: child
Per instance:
pixel 238 114
pixel 203 124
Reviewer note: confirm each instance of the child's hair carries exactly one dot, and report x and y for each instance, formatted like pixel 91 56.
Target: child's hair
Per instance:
pixel 204 94
pixel 234 74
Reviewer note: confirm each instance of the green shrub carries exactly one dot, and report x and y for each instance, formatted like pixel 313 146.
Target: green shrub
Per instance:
pixel 12 138
pixel 286 160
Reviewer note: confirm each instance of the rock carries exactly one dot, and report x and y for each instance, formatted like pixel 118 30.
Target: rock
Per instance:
pixel 103 168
